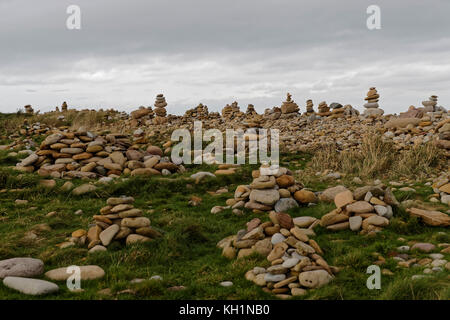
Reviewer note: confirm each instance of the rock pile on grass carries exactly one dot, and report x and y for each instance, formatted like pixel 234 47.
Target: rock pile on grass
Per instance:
pixel 83 154
pixel 296 261
pixel 120 221
pixel 271 189
pixel 368 208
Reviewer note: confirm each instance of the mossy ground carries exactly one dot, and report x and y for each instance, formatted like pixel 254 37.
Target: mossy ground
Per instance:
pixel 187 254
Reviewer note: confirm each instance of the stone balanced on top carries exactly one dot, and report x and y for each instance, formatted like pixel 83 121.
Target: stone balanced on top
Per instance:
pixel 324 110
pixel 309 106
pixel 430 105
pixel 160 109
pixel 372 107
pixel 289 107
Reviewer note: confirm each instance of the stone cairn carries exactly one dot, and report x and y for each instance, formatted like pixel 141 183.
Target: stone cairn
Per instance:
pixel 324 110
pixel 309 106
pixel 64 107
pixel 296 262
pixel 83 154
pixel 119 220
pixel 199 113
pixel 232 111
pixel 271 189
pixel 369 208
pixel 289 108
pixel 160 109
pixel 372 107
pixel 430 104
pixel 443 130
pixel 251 111
pixel 28 109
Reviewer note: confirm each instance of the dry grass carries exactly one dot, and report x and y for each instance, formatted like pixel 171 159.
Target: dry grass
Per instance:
pixel 377 157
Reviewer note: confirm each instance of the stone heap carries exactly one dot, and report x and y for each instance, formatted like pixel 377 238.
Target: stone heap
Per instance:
pixel 369 208
pixel 29 109
pixel 64 107
pixel 324 110
pixel 309 106
pixel 199 113
pixel 251 111
pixel 338 110
pixel 443 131
pixel 271 189
pixel 231 112
pixel 160 109
pixel 296 262
pixel 83 154
pixel 430 104
pixel 372 107
pixel 289 108
pixel 119 220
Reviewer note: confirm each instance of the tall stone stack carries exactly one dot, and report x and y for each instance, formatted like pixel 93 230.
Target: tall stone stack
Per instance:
pixel 309 106
pixel 160 109
pixel 28 109
pixel 324 109
pixel 430 104
pixel 289 108
pixel 372 107
pixel 64 107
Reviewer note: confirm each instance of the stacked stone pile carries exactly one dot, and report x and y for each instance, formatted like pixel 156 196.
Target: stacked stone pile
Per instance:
pixel 28 109
pixel 232 111
pixel 289 108
pixel 271 189
pixel 160 109
pixel 324 110
pixel 120 221
pixel 441 188
pixel 372 106
pixel 309 106
pixel 143 113
pixel 430 104
pixel 369 208
pixel 199 113
pixel 296 262
pixel 251 111
pixel 443 131
pixel 64 107
pixel 83 154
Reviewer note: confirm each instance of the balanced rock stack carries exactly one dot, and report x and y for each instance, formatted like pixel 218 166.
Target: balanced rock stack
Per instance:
pixel 232 111
pixel 369 208
pixel 64 107
pixel 160 109
pixel 324 110
pixel 29 109
pixel 119 220
pixel 83 154
pixel 372 107
pixel 430 104
pixel 271 189
pixel 296 259
pixel 309 106
pixel 289 108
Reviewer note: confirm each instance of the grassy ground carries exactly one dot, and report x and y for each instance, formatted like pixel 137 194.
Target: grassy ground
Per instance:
pixel 187 254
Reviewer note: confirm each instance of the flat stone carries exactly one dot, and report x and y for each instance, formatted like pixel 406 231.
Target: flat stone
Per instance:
pixel 87 273
pixel 28 286
pixel 285 204
pixel 343 198
pixel 424 247
pixel 83 189
pixel 265 196
pixel 21 267
pixel 108 234
pixel 314 279
pixel 329 194
pixel 360 207
pixel 355 223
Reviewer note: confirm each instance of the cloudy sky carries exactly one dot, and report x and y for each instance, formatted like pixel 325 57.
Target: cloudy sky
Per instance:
pixel 215 52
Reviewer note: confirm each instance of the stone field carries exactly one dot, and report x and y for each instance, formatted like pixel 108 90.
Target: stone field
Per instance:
pixel 99 190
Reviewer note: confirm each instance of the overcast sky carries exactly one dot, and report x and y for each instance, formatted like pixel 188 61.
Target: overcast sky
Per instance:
pixel 215 52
